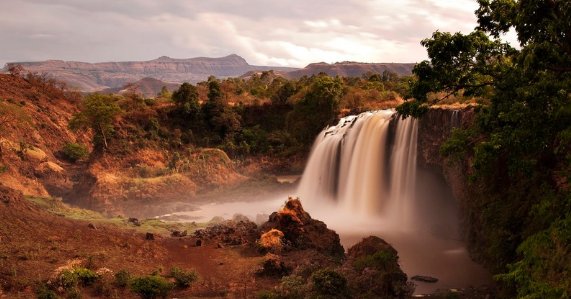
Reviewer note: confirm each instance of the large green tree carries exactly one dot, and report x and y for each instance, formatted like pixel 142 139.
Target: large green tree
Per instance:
pixel 318 107
pixel 98 112
pixel 186 99
pixel 519 220
pixel 220 117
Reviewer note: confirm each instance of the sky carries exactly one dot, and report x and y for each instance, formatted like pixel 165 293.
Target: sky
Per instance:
pixel 264 32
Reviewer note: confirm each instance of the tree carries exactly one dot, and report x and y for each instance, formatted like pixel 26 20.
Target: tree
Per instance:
pixel 218 115
pixel 186 99
pixel 283 93
pixel 164 93
pixel 318 107
pixel 97 113
pixel 521 143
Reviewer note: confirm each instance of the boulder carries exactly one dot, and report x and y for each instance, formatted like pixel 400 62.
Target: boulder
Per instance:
pixel 302 232
pixel 424 278
pixel 369 246
pixel 372 268
pixel 273 266
pixel 135 221
pixel 229 233
pixel 179 234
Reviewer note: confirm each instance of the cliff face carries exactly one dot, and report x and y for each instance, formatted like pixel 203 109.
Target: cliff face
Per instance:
pixel 434 128
pixel 97 76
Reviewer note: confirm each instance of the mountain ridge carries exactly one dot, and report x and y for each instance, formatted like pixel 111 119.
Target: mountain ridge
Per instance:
pixel 99 76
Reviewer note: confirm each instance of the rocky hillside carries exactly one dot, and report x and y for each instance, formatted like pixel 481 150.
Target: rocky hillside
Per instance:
pixel 35 139
pixel 97 76
pixel 352 69
pixel 34 113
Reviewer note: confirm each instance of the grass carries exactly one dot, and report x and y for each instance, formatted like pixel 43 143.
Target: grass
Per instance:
pixel 156 226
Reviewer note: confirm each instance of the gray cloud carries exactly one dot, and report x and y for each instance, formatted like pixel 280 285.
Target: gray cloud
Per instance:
pixel 279 32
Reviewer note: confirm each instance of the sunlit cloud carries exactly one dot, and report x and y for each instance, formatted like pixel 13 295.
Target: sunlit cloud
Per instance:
pixel 291 33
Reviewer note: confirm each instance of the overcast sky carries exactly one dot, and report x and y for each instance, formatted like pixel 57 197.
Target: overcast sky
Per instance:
pixel 264 32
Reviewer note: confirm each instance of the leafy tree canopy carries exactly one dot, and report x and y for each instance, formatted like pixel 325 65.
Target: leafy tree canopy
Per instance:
pixel 522 140
pixel 97 113
pixel 186 98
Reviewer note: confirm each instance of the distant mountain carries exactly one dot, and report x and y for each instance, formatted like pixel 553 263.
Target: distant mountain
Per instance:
pixel 91 77
pixel 148 87
pixel 99 76
pixel 351 69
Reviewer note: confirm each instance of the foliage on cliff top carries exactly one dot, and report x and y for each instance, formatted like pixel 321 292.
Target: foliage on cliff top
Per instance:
pixel 520 144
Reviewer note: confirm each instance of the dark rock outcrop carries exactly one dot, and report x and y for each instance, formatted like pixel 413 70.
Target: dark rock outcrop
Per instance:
pixel 273 266
pixel 372 270
pixel 300 231
pixel 229 233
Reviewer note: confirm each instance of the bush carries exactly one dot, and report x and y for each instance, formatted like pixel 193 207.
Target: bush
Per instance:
pixel 75 151
pixel 85 276
pixel 381 260
pixel 329 283
pixel 43 292
pixel 67 279
pixel 152 286
pixel 183 279
pixel 122 278
pixel 292 286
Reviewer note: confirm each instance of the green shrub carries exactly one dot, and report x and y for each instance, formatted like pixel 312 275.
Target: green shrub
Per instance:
pixel 381 259
pixel 329 283
pixel 43 292
pixel 122 278
pixel 70 279
pixel 75 151
pixel 73 293
pixel 86 276
pixel 293 286
pixel 67 279
pixel 183 279
pixel 151 286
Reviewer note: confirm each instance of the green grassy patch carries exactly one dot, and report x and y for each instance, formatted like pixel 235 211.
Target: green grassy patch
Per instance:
pixel 58 207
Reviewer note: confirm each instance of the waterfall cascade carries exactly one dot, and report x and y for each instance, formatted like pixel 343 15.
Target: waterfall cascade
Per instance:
pixel 362 179
pixel 365 165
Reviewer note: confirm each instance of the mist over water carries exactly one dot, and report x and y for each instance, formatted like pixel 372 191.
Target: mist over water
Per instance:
pixel 362 179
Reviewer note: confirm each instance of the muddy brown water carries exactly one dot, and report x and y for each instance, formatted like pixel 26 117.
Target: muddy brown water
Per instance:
pixel 420 252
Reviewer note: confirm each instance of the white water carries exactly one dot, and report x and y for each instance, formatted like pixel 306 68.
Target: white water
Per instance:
pixel 352 168
pixel 362 179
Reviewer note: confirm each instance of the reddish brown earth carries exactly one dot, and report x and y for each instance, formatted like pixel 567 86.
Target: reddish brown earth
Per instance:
pixel 34 243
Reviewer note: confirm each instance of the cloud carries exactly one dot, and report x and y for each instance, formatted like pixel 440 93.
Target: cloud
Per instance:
pixel 279 32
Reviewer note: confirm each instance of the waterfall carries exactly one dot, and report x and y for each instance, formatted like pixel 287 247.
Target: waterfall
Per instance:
pixel 354 167
pixel 455 120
